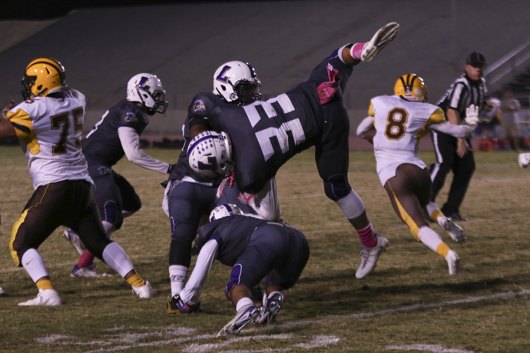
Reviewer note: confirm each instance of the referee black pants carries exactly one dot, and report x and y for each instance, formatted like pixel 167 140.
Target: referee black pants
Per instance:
pixel 445 147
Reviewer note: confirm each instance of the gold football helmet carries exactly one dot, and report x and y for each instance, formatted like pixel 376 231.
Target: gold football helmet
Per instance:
pixel 42 75
pixel 411 87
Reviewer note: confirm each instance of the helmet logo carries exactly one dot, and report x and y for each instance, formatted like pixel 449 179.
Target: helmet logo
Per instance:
pixel 222 75
pixel 142 81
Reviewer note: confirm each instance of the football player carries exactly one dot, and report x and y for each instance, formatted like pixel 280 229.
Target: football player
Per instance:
pixel 49 125
pixel 256 249
pixel 266 134
pixel 190 196
pixel 116 135
pixel 394 125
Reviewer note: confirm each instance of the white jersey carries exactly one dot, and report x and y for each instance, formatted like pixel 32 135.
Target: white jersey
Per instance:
pixel 400 125
pixel 50 130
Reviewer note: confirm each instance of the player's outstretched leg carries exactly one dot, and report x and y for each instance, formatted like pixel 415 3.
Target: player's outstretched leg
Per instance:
pixel 366 52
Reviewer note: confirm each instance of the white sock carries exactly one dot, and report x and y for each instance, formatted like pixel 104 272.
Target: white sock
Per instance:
pixel 177 278
pixel 34 265
pixel 117 259
pixel 244 302
pixel 429 238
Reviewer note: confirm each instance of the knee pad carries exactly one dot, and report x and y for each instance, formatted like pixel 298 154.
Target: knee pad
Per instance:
pixel 351 205
pixel 337 187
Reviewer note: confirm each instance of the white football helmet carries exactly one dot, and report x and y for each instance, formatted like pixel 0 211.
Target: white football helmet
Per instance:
pixel 147 89
pixel 236 82
pixel 225 210
pixel 210 153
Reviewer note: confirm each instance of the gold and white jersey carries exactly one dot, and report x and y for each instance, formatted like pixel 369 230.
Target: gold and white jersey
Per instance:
pixel 400 124
pixel 50 130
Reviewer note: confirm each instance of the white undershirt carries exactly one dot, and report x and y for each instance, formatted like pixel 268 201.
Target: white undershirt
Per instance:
pixel 130 142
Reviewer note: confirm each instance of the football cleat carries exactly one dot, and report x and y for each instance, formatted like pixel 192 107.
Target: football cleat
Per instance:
pixel 381 38
pixel 453 262
pixel 87 272
pixel 246 315
pixel 74 239
pixel 176 305
pixel 271 306
pixel 369 257
pixel 523 159
pixel 46 297
pixel 454 230
pixel 2 291
pixel 145 291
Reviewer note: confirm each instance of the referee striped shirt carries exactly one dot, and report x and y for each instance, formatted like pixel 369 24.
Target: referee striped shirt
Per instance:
pixel 462 93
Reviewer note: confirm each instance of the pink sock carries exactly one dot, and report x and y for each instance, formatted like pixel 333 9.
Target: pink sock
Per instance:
pixel 86 259
pixel 356 50
pixel 367 236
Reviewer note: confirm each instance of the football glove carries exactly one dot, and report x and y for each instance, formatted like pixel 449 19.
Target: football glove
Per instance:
pixel 524 159
pixel 472 115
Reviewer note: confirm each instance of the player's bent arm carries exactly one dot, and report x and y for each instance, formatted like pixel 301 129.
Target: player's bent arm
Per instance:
pixel 366 129
pixel 130 142
pixel 193 288
pixel 458 131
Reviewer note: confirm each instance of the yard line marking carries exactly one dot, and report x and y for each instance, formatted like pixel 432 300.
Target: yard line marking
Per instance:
pixel 407 308
pixel 436 348
pixel 190 336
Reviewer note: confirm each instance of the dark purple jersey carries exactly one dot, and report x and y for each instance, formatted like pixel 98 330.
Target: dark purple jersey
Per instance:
pixel 102 144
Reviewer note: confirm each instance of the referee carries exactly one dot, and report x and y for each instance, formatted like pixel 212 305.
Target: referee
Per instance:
pixel 455 154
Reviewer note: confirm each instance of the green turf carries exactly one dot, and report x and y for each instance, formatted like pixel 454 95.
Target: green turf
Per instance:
pixel 408 303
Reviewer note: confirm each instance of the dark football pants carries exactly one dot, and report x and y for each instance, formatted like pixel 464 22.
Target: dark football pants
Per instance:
pixel 447 160
pixel 187 204
pixel 275 251
pixel 114 194
pixel 68 203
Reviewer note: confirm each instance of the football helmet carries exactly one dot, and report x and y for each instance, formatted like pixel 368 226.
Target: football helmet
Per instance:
pixel 42 76
pixel 225 210
pixel 209 154
pixel 147 89
pixel 411 87
pixel 236 82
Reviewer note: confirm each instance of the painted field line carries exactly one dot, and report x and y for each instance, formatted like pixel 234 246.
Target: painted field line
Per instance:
pixel 408 308
pixel 435 348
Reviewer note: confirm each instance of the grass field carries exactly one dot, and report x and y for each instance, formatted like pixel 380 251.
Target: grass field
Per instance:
pixel 408 304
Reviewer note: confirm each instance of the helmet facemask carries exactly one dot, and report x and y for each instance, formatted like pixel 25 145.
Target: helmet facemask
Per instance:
pixel 247 91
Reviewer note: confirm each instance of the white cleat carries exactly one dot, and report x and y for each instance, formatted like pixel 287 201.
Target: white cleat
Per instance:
pixel 74 239
pixel 46 297
pixel 381 38
pixel 2 291
pixel 453 262
pixel 87 272
pixel 454 230
pixel 369 257
pixel 246 315
pixel 523 159
pixel 145 291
